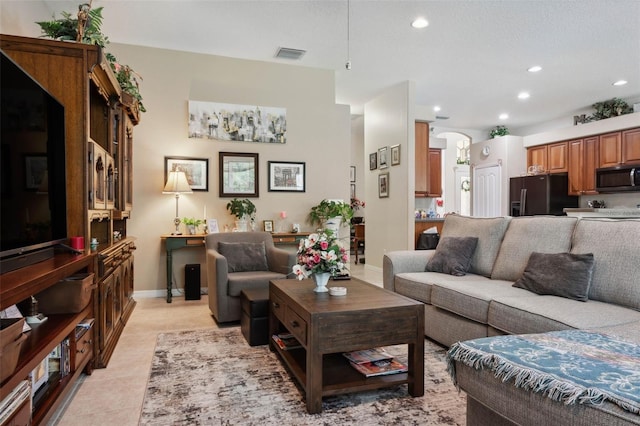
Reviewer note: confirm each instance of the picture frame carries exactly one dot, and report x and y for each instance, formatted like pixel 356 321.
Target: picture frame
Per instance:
pixel 373 161
pixel 35 169
pixel 383 185
pixel 383 161
pixel 196 169
pixel 353 190
pixel 286 176
pixel 238 174
pixel 395 155
pixel 212 226
pixel 267 225
pixel 352 173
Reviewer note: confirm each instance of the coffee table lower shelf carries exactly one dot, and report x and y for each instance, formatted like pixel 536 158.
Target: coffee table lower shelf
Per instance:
pixel 338 376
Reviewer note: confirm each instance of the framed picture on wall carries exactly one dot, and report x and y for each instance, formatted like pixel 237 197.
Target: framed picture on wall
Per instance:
pixel 383 161
pixel 196 169
pixel 238 174
pixel 353 190
pixel 395 155
pixel 286 176
pixel 383 185
pixel 352 173
pixel 373 161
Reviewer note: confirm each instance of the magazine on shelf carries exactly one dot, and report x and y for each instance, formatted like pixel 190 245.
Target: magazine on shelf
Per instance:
pixel 286 341
pixel 380 368
pixel 367 355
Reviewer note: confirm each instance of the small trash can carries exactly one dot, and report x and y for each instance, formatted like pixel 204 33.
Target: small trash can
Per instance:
pixel 427 241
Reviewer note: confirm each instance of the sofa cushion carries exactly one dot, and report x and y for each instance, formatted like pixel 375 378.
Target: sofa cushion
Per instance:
pixel 489 232
pixel 242 257
pixel 539 314
pixel 469 296
pixel 616 249
pixel 453 255
pixel 415 285
pixel 528 234
pixel 558 274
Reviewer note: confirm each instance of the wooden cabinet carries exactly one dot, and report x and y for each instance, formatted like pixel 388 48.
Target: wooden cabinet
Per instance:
pixel 19 285
pixel 553 158
pixel 434 186
pixel 620 148
pixel 583 161
pixel 99 122
pixel 422 159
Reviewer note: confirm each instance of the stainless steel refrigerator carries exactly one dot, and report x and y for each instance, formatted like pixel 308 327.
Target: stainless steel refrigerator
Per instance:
pixel 540 194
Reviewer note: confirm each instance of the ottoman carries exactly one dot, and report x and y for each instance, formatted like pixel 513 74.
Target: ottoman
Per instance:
pixel 254 322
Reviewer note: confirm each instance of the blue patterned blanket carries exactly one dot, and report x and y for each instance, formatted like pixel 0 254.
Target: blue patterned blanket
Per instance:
pixel 571 366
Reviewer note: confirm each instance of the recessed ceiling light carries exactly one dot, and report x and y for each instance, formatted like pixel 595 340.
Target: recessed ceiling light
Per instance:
pixel 523 95
pixel 620 83
pixel 535 68
pixel 436 108
pixel 420 23
pixel 503 116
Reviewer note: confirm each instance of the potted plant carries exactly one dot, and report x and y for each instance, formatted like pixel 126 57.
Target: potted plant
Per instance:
pixel 330 214
pixel 192 224
pixel 242 210
pixel 610 108
pixel 499 131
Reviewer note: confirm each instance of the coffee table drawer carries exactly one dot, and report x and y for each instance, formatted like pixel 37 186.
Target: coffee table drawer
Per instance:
pixel 277 307
pixel 296 325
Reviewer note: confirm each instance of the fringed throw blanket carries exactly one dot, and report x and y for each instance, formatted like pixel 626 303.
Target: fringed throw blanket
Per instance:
pixel 571 366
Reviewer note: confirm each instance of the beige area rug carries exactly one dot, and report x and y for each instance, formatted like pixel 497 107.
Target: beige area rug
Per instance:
pixel 213 377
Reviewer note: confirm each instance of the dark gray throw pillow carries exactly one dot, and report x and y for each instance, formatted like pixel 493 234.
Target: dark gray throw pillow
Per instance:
pixel 453 255
pixel 242 257
pixel 558 274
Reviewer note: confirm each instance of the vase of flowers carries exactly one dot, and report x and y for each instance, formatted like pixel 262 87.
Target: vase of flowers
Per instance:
pixel 320 256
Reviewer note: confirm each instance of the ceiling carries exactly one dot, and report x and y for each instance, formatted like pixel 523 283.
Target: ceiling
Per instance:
pixel 471 60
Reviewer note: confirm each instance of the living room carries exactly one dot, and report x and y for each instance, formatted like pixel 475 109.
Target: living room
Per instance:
pixel 323 134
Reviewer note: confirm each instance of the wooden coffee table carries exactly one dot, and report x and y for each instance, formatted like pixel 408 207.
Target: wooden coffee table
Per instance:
pixel 367 317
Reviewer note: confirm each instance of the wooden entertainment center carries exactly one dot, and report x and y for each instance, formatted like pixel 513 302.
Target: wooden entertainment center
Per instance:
pixel 99 122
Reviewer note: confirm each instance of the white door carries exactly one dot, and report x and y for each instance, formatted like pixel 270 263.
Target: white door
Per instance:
pixel 486 189
pixel 463 190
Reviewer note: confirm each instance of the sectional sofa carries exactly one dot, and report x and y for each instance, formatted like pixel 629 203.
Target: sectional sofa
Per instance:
pixel 484 302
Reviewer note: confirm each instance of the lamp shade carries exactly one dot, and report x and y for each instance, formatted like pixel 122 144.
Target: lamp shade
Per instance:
pixel 177 183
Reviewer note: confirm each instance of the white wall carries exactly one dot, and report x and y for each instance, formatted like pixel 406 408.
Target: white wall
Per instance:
pixel 389 120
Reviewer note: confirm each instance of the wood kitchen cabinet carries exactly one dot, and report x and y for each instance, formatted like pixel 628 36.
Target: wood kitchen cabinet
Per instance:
pixel 620 148
pixel 583 161
pixel 434 185
pixel 553 158
pixel 422 159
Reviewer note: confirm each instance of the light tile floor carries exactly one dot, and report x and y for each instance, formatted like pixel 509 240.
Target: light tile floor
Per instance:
pixel 114 395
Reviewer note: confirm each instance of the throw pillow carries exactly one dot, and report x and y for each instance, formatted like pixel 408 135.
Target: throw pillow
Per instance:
pixel 558 274
pixel 242 257
pixel 453 255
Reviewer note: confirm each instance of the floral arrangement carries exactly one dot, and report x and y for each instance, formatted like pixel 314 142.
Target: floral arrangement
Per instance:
pixel 319 253
pixel 356 204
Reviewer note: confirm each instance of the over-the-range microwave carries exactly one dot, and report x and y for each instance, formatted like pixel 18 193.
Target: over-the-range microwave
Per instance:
pixel 618 179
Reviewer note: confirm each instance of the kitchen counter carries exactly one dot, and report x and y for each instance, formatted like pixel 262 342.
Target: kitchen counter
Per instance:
pixel 624 213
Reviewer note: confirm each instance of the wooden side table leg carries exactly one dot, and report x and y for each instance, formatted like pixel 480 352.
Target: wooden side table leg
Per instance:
pixel 314 381
pixel 416 358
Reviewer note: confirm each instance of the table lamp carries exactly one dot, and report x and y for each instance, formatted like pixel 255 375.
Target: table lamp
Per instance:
pixel 177 184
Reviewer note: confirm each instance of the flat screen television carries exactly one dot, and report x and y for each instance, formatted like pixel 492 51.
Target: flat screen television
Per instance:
pixel 33 217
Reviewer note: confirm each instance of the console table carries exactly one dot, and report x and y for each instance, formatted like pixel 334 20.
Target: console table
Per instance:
pixel 288 238
pixel 176 242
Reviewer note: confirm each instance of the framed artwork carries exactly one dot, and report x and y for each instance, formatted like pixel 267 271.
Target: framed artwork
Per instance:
pixel 212 226
pixel 373 161
pixel 383 185
pixel 241 123
pixel 395 155
pixel 196 169
pixel 35 169
pixel 238 174
pixel 382 157
pixel 286 176
pixel 352 173
pixel 353 190
pixel 267 225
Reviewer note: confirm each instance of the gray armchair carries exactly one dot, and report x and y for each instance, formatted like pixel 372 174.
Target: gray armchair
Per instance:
pixel 238 261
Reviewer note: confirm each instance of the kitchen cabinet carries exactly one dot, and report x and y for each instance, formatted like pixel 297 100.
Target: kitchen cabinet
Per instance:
pixel 434 185
pixel 583 161
pixel 620 148
pixel 553 158
pixel 422 159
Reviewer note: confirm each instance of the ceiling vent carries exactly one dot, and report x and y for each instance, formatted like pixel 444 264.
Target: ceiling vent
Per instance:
pixel 288 53
pixel 441 117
